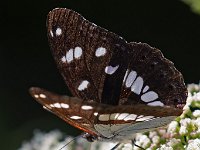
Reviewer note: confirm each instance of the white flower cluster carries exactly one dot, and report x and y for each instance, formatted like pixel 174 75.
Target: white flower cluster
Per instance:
pixel 55 140
pixel 182 133
pixel 45 141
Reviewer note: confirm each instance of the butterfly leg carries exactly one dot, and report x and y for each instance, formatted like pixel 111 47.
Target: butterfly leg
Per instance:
pixel 133 142
pixel 116 146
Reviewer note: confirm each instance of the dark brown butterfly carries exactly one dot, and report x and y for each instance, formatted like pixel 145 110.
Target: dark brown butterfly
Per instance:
pixel 119 88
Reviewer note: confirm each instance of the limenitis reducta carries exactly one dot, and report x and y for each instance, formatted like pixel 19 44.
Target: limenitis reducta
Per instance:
pixel 119 88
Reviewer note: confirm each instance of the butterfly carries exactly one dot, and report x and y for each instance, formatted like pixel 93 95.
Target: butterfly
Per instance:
pixel 119 88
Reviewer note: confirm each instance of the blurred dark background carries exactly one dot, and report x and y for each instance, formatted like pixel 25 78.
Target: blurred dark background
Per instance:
pixel 25 58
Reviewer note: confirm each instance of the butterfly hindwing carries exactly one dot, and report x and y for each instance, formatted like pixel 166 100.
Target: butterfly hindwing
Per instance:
pixel 82 52
pixel 152 79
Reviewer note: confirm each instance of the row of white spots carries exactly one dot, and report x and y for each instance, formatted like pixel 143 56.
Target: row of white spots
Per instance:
pixel 77 52
pixel 40 95
pixel 63 105
pixel 110 70
pixel 145 118
pixel 71 54
pixel 101 51
pixel 136 84
pixel 123 116
pixel 58 32
pixel 60 105
pixel 83 85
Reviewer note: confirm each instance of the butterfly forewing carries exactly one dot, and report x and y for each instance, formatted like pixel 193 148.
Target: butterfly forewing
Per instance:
pixel 82 52
pixel 105 121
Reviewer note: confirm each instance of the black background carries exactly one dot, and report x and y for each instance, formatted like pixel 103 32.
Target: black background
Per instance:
pixel 25 58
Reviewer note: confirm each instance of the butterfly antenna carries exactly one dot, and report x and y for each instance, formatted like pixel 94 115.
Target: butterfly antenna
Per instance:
pixel 70 142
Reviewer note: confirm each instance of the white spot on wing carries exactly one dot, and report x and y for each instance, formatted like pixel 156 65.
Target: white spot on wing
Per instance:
pixel 86 107
pixel 100 52
pixel 104 117
pixel 78 52
pixel 58 31
pixel 51 105
pixel 36 96
pixel 110 70
pixel 69 56
pixel 131 77
pixel 122 116
pixel 63 59
pixel 75 117
pixel 145 118
pixel 145 89
pixel 95 113
pixel 125 75
pixel 45 107
pixel 130 117
pixel 140 116
pixel 42 96
pixel 83 85
pixel 137 85
pixel 149 96
pixel 156 103
pixel 114 116
pixel 57 105
pixel 63 105
pixel 51 33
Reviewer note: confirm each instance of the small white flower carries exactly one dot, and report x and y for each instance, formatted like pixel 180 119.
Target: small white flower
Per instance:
pixel 173 142
pixel 193 145
pixel 172 127
pixel 156 139
pixel 162 131
pixel 196 113
pixel 165 147
pixel 196 96
pixel 193 87
pixel 183 130
pixel 185 122
pixel 152 134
